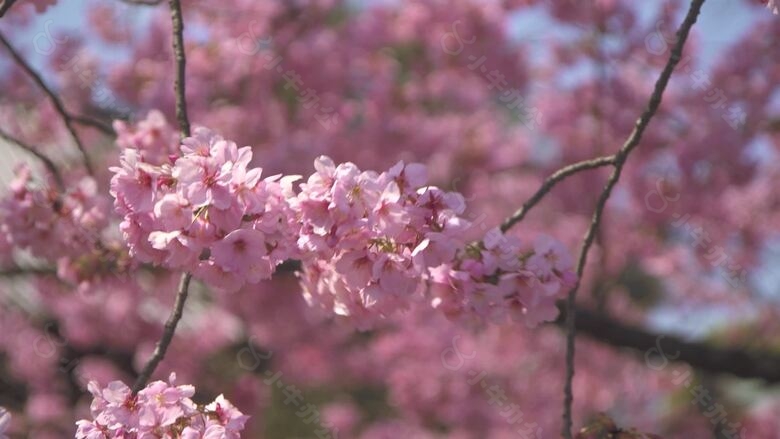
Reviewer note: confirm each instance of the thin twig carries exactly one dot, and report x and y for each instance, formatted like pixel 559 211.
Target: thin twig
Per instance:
pixel 47 162
pixel 620 158
pixel 142 2
pixel 94 123
pixel 551 181
pixel 184 123
pixel 181 61
pixel 27 271
pixel 165 340
pixel 66 118
pixel 5 5
pixel 763 364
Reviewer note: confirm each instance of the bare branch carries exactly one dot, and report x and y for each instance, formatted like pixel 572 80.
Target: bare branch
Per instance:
pixel 142 2
pixel 5 5
pixel 27 271
pixel 66 118
pixel 551 181
pixel 181 61
pixel 94 123
pixel 764 365
pixel 47 162
pixel 184 283
pixel 620 158
pixel 165 340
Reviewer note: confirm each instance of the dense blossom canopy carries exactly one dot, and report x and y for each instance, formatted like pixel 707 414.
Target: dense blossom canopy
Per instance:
pixel 353 271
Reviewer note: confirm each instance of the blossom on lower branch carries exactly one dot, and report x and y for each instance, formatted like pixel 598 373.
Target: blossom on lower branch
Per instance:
pixel 160 410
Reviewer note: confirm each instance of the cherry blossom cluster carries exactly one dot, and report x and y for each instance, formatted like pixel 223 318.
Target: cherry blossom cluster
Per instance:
pixel 161 409
pixel 49 223
pixel 369 239
pixel 198 207
pixel 373 243
pixel 500 279
pixel 427 102
pixel 153 139
pixel 370 243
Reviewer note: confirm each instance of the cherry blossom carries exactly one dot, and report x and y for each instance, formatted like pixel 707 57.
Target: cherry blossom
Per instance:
pixel 202 210
pixel 501 279
pixel 773 6
pixel 5 423
pixel 159 409
pixel 368 237
pixel 407 249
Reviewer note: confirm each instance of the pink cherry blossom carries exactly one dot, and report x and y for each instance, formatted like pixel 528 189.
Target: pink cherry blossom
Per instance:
pixel 206 202
pixel 380 234
pixel 773 6
pixel 161 409
pixel 34 215
pixel 5 423
pixel 505 280
pixel 230 421
pixel 386 251
pixel 364 228
pixel 243 252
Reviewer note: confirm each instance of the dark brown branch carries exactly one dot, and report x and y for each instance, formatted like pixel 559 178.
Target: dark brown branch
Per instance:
pixel 13 392
pixel 94 123
pixel 59 107
pixel 47 162
pixel 764 365
pixel 184 123
pixel 620 158
pixel 181 61
pixel 165 340
pixel 551 181
pixel 27 271
pixel 142 2
pixel 5 5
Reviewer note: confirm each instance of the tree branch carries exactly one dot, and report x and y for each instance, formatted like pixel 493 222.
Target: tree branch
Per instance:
pixel 184 123
pixel 551 181
pixel 5 5
pixel 764 365
pixel 620 158
pixel 142 2
pixel 27 271
pixel 58 106
pixel 94 123
pixel 165 340
pixel 47 162
pixel 181 61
